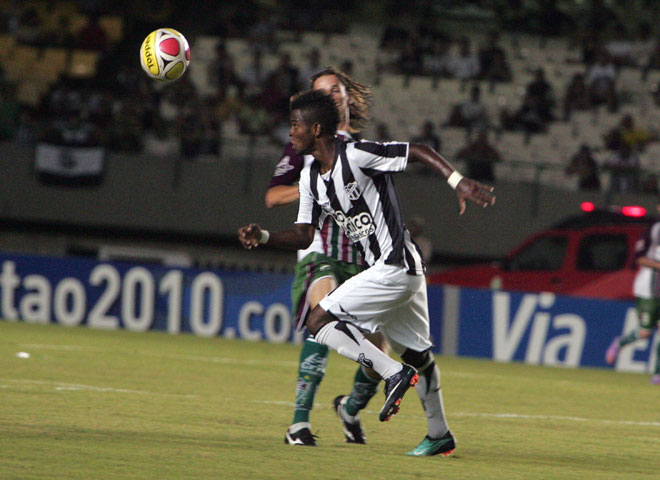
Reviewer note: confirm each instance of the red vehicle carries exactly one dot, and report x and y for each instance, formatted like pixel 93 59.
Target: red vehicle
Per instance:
pixel 589 255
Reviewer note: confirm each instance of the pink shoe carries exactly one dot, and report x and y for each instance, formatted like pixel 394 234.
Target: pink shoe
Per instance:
pixel 612 351
pixel 655 379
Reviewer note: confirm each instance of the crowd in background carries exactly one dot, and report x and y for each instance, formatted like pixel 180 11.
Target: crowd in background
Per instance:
pixel 123 110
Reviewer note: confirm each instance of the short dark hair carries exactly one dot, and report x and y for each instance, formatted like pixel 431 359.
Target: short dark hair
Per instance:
pixel 317 107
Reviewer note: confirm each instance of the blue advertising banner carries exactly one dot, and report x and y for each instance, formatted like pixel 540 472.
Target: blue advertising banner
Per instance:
pixel 546 329
pixel 535 328
pixel 114 295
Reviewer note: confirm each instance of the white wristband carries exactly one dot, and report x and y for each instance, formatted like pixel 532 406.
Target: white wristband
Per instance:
pixel 454 178
pixel 265 235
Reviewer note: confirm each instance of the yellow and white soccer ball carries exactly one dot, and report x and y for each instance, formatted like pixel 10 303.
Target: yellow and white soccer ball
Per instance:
pixel 165 54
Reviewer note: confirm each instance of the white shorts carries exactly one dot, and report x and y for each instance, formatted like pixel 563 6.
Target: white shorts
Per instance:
pixel 387 299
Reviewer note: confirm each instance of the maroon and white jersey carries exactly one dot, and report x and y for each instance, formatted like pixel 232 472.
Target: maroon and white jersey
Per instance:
pixel 329 239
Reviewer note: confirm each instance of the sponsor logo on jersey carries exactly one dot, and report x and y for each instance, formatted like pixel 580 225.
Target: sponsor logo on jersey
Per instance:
pixel 353 190
pixel 357 227
pixel 283 166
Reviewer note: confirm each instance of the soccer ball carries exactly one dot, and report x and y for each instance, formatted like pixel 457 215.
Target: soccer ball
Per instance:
pixel 165 54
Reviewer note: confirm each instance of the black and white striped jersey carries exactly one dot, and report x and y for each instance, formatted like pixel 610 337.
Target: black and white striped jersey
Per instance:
pixel 359 193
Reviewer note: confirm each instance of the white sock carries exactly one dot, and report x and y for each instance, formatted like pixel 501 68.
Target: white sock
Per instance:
pixel 346 339
pixel 430 393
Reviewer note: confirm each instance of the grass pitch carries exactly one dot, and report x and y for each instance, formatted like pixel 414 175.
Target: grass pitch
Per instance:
pixel 91 404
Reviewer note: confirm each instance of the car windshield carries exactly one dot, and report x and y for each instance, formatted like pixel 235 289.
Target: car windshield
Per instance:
pixel 545 253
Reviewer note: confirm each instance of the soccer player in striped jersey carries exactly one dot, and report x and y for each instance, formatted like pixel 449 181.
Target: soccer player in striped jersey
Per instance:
pixel 352 182
pixel 327 262
pixel 646 289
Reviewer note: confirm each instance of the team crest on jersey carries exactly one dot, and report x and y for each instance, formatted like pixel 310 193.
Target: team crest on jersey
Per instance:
pixel 352 190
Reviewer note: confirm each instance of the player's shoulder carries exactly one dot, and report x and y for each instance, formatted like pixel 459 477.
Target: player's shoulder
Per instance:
pixel 382 149
pixel 290 162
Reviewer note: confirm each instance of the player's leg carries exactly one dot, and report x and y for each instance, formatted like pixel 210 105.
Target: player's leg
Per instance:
pixel 409 334
pixel 655 378
pixel 365 386
pixel 645 308
pixel 365 381
pixel 306 288
pixel 361 302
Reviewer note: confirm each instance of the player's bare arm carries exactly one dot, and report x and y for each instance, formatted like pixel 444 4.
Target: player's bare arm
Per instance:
pixel 466 188
pixel 298 238
pixel 647 262
pixel 280 195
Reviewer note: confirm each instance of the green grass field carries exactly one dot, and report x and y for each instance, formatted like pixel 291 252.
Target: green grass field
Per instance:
pixel 92 404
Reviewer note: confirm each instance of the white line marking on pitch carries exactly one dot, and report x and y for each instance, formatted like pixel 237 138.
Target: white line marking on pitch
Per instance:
pixel 41 346
pixel 60 386
pixel 506 416
pixel 233 361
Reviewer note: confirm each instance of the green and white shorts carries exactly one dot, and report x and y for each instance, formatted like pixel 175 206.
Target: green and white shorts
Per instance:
pixel 648 311
pixel 309 270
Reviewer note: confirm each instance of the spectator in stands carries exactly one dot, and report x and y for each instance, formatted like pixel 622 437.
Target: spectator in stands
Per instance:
pixel 386 58
pixel 434 62
pixel 624 166
pixel 542 95
pixel 60 34
pixel 287 77
pixel 584 165
pixel 29 29
pixel 393 35
pixel 480 157
pixel 346 66
pixel 254 75
pixel 262 32
pixel 470 114
pixel 383 133
pixel 493 63
pixel 601 81
pixel 313 64
pixel 428 136
pixel 652 62
pixel 526 119
pixel 410 60
pixel 621 48
pixel 222 69
pixel 576 96
pixel 629 133
pixel 464 64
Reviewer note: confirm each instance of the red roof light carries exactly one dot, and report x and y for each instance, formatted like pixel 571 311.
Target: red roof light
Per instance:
pixel 587 207
pixel 633 211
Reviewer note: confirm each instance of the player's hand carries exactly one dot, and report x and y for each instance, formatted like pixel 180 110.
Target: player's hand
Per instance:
pixel 468 189
pixel 249 235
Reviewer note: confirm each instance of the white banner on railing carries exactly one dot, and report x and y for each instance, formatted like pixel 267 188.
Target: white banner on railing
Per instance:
pixel 69 162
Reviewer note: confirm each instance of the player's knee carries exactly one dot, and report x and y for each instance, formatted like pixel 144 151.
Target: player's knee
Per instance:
pixel 316 319
pixel 418 360
pixel 379 340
